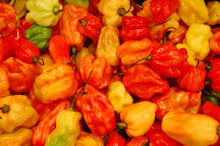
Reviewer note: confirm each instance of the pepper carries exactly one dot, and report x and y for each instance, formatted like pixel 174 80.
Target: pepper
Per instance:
pixel 177 100
pixel 197 38
pixel 97 110
pixel 215 42
pixel 68 25
pixel 43 12
pixel 114 10
pixel 178 35
pixel 140 141
pixel 16 111
pixel 48 61
pixel 82 53
pixel 90 26
pixel 93 8
pixel 143 82
pixel 24 25
pixel 82 3
pixel 4 82
pixel 59 50
pixel 21 75
pixel 101 71
pixel 19 137
pixel 90 139
pixel 191 129
pixel 173 21
pixel 58 81
pixel 118 96
pixel 144 111
pixel 213 74
pixel 213 8
pixel 211 110
pixel 156 33
pixel 67 129
pixel 108 44
pixel 193 11
pixel 1 51
pixel 48 124
pixel 39 35
pixel 115 139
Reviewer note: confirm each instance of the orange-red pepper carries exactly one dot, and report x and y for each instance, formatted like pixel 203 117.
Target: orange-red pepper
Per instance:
pixel 211 110
pixel 140 141
pixel 215 42
pixel 4 82
pixel 214 75
pixel 115 139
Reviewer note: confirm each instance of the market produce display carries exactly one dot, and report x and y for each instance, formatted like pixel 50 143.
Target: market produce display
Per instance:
pixel 109 73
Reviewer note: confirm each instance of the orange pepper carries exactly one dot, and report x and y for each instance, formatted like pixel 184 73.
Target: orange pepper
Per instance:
pixel 4 82
pixel 48 61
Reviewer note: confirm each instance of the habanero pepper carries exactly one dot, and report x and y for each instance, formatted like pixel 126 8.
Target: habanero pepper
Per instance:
pixel 4 82
pixel 82 53
pixel 213 8
pixel 24 25
pixel 48 61
pixel 214 73
pixel 93 8
pixel 139 141
pixel 89 139
pixel 115 139
pixel 82 3
pixel 215 42
pixel 211 110
pixel 178 35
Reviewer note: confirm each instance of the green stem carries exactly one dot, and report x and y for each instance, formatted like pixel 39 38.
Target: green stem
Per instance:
pixel 121 125
pixel 218 130
pixel 145 58
pixel 153 25
pixel 40 61
pixel 121 12
pixel 12 2
pixel 56 10
pixel 208 67
pixel 5 108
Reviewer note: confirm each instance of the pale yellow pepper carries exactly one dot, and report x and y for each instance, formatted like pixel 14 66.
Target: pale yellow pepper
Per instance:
pixel 114 10
pixel 108 44
pixel 197 38
pixel 118 96
pixel 190 129
pixel 193 11
pixel 20 137
pixel 82 53
pixel 214 12
pixel 89 139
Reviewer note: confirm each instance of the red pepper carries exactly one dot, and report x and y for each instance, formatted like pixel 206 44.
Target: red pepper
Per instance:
pixel 140 141
pixel 215 42
pixel 97 111
pixel 214 75
pixel 158 137
pixel 178 35
pixel 90 26
pixel 211 110
pixel 55 29
pixel 143 82
pixel 47 125
pixel 93 8
pixel 134 28
pixel 59 50
pixel 24 25
pixel 156 33
pixel 1 51
pixel 115 139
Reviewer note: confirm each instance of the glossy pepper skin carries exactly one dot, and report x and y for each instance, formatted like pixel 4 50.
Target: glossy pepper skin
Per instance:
pixel 140 141
pixel 143 111
pixel 58 81
pixel 4 82
pixel 213 8
pixel 39 35
pixel 90 26
pixel 67 129
pixel 82 3
pixel 213 74
pixel 97 111
pixel 115 139
pixel 101 75
pixel 68 25
pixel 90 139
pixel 21 75
pixel 59 50
pixel 211 110
pixel 215 42
pixel 178 35
pixel 134 28
pixel 143 82
pixel 48 124
pixel 16 111
pixel 190 129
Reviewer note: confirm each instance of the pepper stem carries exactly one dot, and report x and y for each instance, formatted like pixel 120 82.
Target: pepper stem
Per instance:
pixel 36 59
pixel 56 10
pixel 145 58
pixel 5 108
pixel 121 125
pixel 208 66
pixel 218 130
pixel 121 12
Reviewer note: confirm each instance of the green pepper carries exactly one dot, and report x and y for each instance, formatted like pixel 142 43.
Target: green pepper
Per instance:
pixel 39 35
pixel 67 129
pixel 83 3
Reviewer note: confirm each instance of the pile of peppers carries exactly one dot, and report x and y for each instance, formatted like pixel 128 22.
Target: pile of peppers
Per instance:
pixel 109 73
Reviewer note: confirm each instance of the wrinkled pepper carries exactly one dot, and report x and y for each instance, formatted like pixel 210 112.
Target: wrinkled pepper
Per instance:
pixel 211 110
pixel 108 44
pixel 82 53
pixel 139 141
pixel 67 129
pixel 20 137
pixel 39 35
pixel 215 42
pixel 214 11
pixel 144 111
pixel 68 25
pixel 4 82
pixel 191 129
pixel 85 139
pixel 16 111
pixel 143 82
pixel 178 35
pixel 20 74
pixel 43 12
pixel 82 3
pixel 114 10
pixel 214 73
pixel 118 96
pixel 115 139
pixel 58 81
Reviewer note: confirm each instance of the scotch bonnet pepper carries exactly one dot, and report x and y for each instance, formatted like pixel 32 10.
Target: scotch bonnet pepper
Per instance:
pixel 214 75
pixel 115 139
pixel 211 110
pixel 215 42
pixel 4 82
pixel 90 139
pixel 214 11
pixel 82 3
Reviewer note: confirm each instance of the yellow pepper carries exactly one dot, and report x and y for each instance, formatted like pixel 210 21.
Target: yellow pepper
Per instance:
pixel 197 39
pixel 214 12
pixel 108 44
pixel 67 129
pixel 4 82
pixel 118 96
pixel 48 61
pixel 114 10
pixel 138 118
pixel 191 129
pixel 57 81
pixel 193 11
pixel 173 22
pixel 20 137
pixel 17 111
pixel 191 55
pixel 82 53
pixel 89 139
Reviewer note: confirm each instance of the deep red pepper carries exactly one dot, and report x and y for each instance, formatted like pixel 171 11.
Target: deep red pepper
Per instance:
pixel 140 141
pixel 93 8
pixel 115 139
pixel 211 110
pixel 214 75
pixel 1 51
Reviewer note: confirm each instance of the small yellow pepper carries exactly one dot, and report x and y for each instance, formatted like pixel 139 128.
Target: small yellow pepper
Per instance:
pixel 191 129
pixel 114 10
pixel 89 139
pixel 82 53
pixel 17 111
pixel 197 39
pixel 193 11
pixel 173 22
pixel 20 137
pixel 214 12
pixel 108 44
